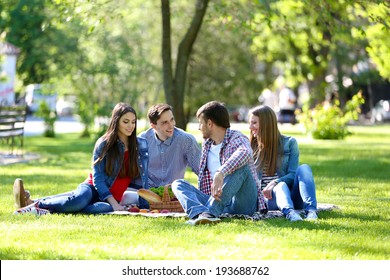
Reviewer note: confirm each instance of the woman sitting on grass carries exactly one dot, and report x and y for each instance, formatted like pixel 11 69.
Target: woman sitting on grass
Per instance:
pixel 286 185
pixel 118 157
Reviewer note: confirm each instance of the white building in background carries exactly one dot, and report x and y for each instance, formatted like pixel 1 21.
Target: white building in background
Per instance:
pixel 8 54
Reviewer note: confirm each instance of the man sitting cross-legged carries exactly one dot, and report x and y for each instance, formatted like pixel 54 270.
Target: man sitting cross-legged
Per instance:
pixel 227 176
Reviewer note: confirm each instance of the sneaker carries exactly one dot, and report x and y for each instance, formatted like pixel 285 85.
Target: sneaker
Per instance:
pixel 32 209
pixel 204 218
pixel 311 215
pixel 21 197
pixel 293 216
pixel 192 220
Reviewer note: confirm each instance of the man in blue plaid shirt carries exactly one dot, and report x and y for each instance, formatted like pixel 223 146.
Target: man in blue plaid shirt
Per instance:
pixel 228 181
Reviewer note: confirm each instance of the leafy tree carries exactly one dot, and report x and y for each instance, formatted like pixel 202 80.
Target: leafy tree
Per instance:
pixel 378 36
pixel 227 71
pixel 117 62
pixel 109 51
pixel 4 16
pixel 46 49
pixel 307 40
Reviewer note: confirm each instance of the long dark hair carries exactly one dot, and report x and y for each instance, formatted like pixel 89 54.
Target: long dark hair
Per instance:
pixel 111 150
pixel 266 145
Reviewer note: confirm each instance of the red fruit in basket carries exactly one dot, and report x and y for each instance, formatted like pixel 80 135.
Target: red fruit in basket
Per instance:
pixel 164 211
pixel 134 209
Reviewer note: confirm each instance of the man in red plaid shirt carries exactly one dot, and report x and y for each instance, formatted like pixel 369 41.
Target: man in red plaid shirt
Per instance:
pixel 228 182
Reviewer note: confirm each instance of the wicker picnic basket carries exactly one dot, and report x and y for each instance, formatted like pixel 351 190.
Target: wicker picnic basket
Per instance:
pixel 171 206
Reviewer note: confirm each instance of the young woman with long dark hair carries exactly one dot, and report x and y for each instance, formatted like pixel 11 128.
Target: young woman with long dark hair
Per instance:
pixel 119 157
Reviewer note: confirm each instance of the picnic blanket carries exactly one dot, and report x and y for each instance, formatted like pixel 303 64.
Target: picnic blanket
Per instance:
pixel 255 217
pixel 275 213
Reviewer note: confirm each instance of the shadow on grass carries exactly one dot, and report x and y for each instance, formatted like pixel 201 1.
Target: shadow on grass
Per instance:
pixel 20 254
pixel 320 224
pixel 373 217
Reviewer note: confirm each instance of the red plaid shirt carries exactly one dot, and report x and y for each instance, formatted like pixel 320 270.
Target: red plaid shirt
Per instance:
pixel 235 152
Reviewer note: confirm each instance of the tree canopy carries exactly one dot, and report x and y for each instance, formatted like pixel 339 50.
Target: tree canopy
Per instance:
pixel 187 53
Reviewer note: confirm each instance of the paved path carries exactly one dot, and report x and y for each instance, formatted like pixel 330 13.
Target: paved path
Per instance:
pixel 34 126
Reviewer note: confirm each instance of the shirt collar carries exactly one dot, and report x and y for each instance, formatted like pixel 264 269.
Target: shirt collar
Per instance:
pixel 167 141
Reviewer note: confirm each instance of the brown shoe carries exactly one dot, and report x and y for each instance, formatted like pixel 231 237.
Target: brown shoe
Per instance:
pixel 27 195
pixel 21 197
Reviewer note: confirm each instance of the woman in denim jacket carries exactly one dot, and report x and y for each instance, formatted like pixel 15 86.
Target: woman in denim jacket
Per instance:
pixel 118 157
pixel 286 185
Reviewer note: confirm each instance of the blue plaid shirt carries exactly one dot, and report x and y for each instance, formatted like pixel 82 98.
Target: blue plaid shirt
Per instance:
pixel 235 152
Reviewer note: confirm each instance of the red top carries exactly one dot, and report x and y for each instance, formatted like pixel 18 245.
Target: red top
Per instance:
pixel 120 184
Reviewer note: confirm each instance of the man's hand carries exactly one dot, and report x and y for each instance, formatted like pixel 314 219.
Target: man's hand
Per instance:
pixel 216 186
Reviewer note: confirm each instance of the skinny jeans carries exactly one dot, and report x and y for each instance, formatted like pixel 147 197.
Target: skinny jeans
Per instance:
pixel 302 195
pixel 85 199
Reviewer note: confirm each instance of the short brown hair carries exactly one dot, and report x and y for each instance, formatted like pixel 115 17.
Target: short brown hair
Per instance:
pixel 155 112
pixel 216 112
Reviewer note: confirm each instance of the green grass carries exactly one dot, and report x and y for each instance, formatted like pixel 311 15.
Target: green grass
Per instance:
pixel 351 173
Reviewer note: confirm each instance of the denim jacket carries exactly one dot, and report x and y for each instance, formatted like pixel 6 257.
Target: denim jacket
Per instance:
pixel 288 164
pixel 102 182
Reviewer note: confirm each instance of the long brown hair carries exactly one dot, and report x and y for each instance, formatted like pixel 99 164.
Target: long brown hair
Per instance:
pixel 266 145
pixel 111 150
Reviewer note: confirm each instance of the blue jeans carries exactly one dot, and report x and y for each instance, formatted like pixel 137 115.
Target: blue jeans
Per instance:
pixel 239 196
pixel 84 199
pixel 301 196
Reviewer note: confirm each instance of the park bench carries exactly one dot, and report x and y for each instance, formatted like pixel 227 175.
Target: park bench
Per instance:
pixel 12 120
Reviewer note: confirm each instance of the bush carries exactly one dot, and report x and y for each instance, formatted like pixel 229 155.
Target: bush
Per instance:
pixel 49 118
pixel 329 121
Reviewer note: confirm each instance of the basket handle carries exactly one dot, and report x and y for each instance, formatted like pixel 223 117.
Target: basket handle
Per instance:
pixel 166 197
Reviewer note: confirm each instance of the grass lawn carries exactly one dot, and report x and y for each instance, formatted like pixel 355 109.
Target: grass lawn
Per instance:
pixel 351 173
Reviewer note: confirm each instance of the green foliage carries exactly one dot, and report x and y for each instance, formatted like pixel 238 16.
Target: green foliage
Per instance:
pixel 47 48
pixel 85 110
pixel 110 51
pixel 306 40
pixel 378 35
pixel 328 120
pixel 227 71
pixel 160 191
pixel 49 118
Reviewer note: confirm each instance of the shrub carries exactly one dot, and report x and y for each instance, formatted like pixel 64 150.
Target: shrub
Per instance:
pixel 329 121
pixel 49 118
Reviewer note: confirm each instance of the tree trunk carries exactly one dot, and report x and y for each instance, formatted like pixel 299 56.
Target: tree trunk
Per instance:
pixel 174 87
pixel 167 51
